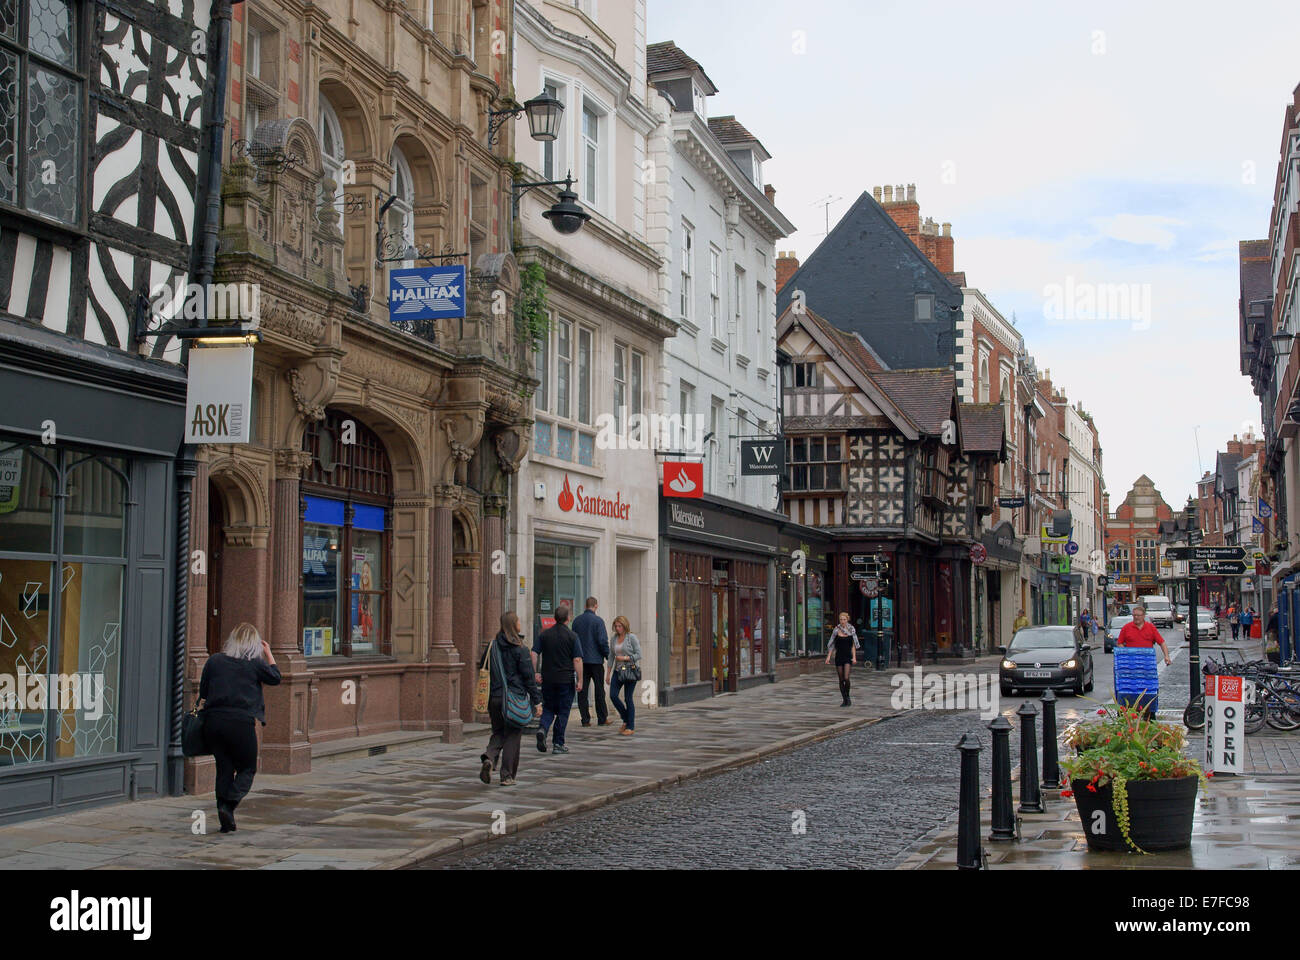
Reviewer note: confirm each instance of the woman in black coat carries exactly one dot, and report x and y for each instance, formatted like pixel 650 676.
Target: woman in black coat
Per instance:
pixel 511 665
pixel 231 693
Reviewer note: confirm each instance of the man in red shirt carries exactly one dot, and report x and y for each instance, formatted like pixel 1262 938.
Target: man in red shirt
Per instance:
pixel 1140 633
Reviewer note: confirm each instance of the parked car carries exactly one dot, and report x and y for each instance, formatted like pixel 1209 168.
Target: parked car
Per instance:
pixel 1180 609
pixel 1207 628
pixel 1159 610
pixel 1039 658
pixel 1114 627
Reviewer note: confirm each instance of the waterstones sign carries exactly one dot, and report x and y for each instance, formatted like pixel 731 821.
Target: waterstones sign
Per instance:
pixel 681 516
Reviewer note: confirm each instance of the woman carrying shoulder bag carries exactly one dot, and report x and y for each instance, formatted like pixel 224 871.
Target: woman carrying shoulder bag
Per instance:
pixel 624 673
pixel 513 695
pixel 231 692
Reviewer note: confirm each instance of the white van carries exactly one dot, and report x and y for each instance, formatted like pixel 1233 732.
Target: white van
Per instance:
pixel 1159 610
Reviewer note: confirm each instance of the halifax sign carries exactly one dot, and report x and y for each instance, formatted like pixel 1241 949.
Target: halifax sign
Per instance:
pixel 426 293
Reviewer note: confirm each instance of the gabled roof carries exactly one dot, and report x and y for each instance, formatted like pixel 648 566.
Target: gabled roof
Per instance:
pixel 983 428
pixel 861 350
pixel 667 57
pixel 832 341
pixel 926 395
pixel 730 132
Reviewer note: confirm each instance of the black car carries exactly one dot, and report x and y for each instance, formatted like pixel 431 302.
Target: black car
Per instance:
pixel 1043 657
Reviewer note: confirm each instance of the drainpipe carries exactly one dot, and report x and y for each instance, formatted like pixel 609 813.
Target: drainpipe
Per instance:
pixel 203 257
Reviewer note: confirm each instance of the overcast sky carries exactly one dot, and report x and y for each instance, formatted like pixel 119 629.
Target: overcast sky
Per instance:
pixel 1075 152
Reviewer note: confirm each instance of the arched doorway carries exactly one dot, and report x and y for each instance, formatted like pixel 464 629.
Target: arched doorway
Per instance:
pixel 216 550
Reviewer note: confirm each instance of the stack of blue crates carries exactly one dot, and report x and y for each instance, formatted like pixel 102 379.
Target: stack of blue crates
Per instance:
pixel 1136 678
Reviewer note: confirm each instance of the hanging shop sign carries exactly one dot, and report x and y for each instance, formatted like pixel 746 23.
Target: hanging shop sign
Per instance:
pixel 870 587
pixel 1011 503
pixel 426 293
pixel 683 479
pixel 762 458
pixel 219 395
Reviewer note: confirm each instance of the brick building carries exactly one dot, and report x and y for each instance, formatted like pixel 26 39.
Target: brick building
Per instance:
pixel 1134 529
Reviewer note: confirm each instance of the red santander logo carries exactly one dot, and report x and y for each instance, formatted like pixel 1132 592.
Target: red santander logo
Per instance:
pixel 594 504
pixel 683 479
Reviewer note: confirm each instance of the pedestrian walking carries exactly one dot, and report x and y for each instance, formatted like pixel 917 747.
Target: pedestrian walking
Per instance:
pixel 1020 622
pixel 595 651
pixel 845 650
pixel 1081 629
pixel 230 691
pixel 624 673
pixel 557 655
pixel 1271 648
pixel 1218 611
pixel 1234 620
pixel 512 670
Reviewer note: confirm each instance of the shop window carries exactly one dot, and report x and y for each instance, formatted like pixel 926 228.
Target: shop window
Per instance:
pixel 63 522
pixel 688 577
pixel 750 580
pixel 815 463
pixel 347 497
pixel 561 573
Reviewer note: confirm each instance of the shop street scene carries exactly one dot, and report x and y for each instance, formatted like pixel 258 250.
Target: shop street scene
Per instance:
pixel 470 435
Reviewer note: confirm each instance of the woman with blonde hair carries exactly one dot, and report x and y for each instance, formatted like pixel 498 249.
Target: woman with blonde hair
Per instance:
pixel 230 692
pixel 624 673
pixel 844 645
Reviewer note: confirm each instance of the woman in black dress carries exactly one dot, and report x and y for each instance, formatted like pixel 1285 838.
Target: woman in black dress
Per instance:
pixel 231 691
pixel 845 648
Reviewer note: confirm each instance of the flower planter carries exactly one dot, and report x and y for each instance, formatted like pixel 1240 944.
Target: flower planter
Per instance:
pixel 1159 811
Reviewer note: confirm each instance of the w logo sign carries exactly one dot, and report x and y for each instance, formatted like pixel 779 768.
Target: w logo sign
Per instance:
pixel 762 458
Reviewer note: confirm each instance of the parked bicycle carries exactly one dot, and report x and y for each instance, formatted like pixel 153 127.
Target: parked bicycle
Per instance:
pixel 1275 697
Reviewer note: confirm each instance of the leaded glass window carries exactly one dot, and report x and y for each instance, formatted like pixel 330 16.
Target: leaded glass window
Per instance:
pixel 41 108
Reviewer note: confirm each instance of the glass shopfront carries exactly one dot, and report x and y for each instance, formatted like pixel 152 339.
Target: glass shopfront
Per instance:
pixel 561 574
pixel 688 580
pixel 345 541
pixel 62 524
pixel 801 620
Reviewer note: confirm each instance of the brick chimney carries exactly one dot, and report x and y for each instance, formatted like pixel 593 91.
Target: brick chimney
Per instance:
pixel 770 192
pixel 901 205
pixel 786 265
pixel 943 250
pixel 932 239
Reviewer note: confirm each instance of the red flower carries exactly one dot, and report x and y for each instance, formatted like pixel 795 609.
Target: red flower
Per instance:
pixel 1092 788
pixel 1101 713
pixel 1210 773
pixel 1067 793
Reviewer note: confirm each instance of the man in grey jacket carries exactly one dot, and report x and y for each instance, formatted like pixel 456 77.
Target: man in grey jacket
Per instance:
pixel 595 651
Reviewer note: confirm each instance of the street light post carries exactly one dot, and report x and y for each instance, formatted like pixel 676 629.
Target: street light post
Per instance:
pixel 1193 630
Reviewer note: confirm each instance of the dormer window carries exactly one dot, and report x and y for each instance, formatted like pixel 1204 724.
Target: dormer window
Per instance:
pixel 701 102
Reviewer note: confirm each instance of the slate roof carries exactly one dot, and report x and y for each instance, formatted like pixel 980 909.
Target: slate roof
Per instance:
pixel 926 396
pixel 982 427
pixel 862 277
pixel 730 131
pixel 666 57
pixel 1227 468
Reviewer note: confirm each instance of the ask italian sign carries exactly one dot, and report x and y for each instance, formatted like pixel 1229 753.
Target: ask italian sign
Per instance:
pixel 426 293
pixel 219 395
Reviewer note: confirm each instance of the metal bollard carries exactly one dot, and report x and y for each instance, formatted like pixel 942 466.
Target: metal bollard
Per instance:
pixel 968 811
pixel 1031 798
pixel 1004 820
pixel 1051 771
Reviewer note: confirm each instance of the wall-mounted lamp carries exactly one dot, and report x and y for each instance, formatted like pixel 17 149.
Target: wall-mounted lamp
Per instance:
pixel 565 215
pixel 544 113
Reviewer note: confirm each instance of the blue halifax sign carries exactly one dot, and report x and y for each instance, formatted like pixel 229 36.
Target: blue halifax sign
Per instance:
pixel 426 293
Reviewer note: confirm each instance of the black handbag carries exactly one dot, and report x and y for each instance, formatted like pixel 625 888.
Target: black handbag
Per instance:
pixel 194 742
pixel 628 673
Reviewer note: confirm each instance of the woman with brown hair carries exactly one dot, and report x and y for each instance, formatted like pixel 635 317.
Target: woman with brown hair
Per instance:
pixel 624 673
pixel 512 667
pixel 230 692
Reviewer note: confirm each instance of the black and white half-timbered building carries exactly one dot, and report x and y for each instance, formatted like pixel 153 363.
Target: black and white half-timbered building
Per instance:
pixel 100 125
pixel 898 472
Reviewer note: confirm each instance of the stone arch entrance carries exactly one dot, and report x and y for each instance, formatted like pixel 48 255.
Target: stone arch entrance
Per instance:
pixel 467 601
pixel 238 551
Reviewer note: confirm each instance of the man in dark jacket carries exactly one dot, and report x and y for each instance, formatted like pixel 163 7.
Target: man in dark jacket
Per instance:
pixel 595 651
pixel 558 655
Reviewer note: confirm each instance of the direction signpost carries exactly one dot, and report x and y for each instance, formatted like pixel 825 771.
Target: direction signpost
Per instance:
pixel 1206 553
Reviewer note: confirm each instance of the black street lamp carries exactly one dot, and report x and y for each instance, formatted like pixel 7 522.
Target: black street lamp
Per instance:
pixel 544 113
pixel 565 214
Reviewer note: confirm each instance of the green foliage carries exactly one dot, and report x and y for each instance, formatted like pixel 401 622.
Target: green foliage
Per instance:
pixel 530 309
pixel 1124 746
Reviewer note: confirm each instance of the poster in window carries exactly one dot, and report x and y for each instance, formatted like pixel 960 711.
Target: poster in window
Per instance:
pixel 363 580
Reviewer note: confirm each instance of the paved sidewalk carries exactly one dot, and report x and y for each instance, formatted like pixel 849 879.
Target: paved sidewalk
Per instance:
pixel 1243 822
pixel 393 811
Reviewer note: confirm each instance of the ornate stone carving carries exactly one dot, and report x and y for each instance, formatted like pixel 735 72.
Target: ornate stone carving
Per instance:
pixel 291 462
pixel 297 387
pixel 382 369
pixel 301 325
pixel 511 447
pixel 447 495
pixel 460 453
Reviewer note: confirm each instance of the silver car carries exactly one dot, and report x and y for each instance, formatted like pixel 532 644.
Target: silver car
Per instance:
pixel 1207 628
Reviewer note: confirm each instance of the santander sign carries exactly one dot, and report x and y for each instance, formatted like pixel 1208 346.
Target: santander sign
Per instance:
pixel 594 505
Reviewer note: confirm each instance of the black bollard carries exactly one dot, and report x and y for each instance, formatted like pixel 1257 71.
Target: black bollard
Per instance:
pixel 1004 818
pixel 1051 772
pixel 968 811
pixel 1031 798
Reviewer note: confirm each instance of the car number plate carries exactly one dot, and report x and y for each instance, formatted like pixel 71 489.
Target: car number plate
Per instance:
pixel 1038 674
